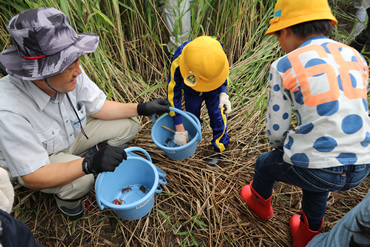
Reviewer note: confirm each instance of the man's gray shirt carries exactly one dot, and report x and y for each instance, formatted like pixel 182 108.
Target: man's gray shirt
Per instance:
pixel 33 125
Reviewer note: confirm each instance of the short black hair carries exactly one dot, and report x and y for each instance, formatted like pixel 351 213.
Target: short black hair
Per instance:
pixel 317 27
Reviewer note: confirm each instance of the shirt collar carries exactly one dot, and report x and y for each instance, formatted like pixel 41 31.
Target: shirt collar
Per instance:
pixel 312 38
pixel 41 98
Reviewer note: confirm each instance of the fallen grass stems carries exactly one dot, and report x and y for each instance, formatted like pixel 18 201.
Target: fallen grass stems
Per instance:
pixel 200 205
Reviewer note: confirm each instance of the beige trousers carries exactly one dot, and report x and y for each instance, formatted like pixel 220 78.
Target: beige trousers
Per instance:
pixel 117 132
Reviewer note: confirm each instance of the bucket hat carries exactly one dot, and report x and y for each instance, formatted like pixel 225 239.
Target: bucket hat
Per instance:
pixel 288 13
pixel 203 64
pixel 44 44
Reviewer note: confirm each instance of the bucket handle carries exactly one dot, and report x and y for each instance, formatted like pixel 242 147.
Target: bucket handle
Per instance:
pixel 162 181
pixel 101 175
pixel 130 149
pixel 158 190
pixel 188 116
pixel 161 175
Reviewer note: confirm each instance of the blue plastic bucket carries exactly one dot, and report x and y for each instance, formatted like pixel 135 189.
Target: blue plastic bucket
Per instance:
pixel 163 138
pixel 133 183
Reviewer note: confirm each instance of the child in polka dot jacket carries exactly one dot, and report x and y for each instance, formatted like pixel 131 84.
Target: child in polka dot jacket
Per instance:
pixel 327 84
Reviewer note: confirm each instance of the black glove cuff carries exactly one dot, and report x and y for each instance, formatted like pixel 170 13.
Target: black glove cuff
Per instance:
pixel 86 165
pixel 141 109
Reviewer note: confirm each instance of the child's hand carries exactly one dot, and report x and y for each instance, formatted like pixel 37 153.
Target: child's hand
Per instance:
pixel 181 138
pixel 224 101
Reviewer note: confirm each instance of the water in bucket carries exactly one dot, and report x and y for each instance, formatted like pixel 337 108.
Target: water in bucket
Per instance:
pixel 130 194
pixel 130 190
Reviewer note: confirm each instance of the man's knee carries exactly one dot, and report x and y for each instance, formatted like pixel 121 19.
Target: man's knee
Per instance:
pixel 77 188
pixel 134 126
pixel 127 130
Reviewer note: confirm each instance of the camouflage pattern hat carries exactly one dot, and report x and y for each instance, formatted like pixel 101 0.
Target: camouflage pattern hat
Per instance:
pixel 44 44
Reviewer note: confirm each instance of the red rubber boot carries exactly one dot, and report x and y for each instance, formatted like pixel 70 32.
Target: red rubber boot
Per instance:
pixel 300 232
pixel 256 203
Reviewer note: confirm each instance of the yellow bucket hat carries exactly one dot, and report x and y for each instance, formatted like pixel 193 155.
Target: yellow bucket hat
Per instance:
pixel 288 13
pixel 203 64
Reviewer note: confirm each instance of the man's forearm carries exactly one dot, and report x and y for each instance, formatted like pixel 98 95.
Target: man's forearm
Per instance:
pixel 54 175
pixel 114 110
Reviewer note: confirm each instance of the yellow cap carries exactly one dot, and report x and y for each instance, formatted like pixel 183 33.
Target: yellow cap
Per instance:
pixel 203 64
pixel 288 13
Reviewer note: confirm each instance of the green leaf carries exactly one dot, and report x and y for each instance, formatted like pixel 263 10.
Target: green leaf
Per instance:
pixel 165 216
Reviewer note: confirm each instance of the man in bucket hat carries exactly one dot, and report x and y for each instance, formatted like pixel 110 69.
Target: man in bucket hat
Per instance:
pixel 52 114
pixel 200 69
pixel 326 82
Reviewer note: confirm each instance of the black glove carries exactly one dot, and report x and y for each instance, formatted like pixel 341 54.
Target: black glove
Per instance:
pixel 104 160
pixel 158 106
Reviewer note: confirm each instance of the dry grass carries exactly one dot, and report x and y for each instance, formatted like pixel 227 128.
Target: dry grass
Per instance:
pixel 200 203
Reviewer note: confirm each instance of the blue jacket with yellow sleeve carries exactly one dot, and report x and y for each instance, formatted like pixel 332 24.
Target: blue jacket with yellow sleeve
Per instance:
pixel 193 102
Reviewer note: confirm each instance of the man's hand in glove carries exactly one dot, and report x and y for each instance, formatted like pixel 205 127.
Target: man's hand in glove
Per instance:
pixel 181 138
pixel 158 106
pixel 105 160
pixel 224 101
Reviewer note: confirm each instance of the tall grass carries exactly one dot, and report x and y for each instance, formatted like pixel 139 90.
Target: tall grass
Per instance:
pixel 132 56
pixel 131 64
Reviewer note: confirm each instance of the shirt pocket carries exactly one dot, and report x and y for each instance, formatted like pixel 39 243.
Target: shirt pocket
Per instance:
pixel 81 112
pixel 51 139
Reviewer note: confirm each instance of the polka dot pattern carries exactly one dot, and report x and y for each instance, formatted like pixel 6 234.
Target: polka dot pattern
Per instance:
pixel 325 46
pixel 366 141
pixel 305 129
pixel 328 109
pixel 347 158
pixel 325 144
pixel 353 80
pixel 351 124
pixel 283 65
pixel 365 103
pixel 300 159
pixel 290 143
pixel 333 129
pixel 298 96
pixel 314 62
pixel 340 83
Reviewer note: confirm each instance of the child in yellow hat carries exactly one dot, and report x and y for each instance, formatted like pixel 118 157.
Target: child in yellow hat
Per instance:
pixel 326 82
pixel 200 69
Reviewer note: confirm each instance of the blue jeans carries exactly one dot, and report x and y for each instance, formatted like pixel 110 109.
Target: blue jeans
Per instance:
pixel 315 183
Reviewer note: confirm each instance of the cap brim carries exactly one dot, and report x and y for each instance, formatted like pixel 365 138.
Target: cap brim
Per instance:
pixel 305 18
pixel 38 69
pixel 202 85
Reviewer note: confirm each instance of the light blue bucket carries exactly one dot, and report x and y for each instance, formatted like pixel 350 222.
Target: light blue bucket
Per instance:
pixel 134 183
pixel 163 138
